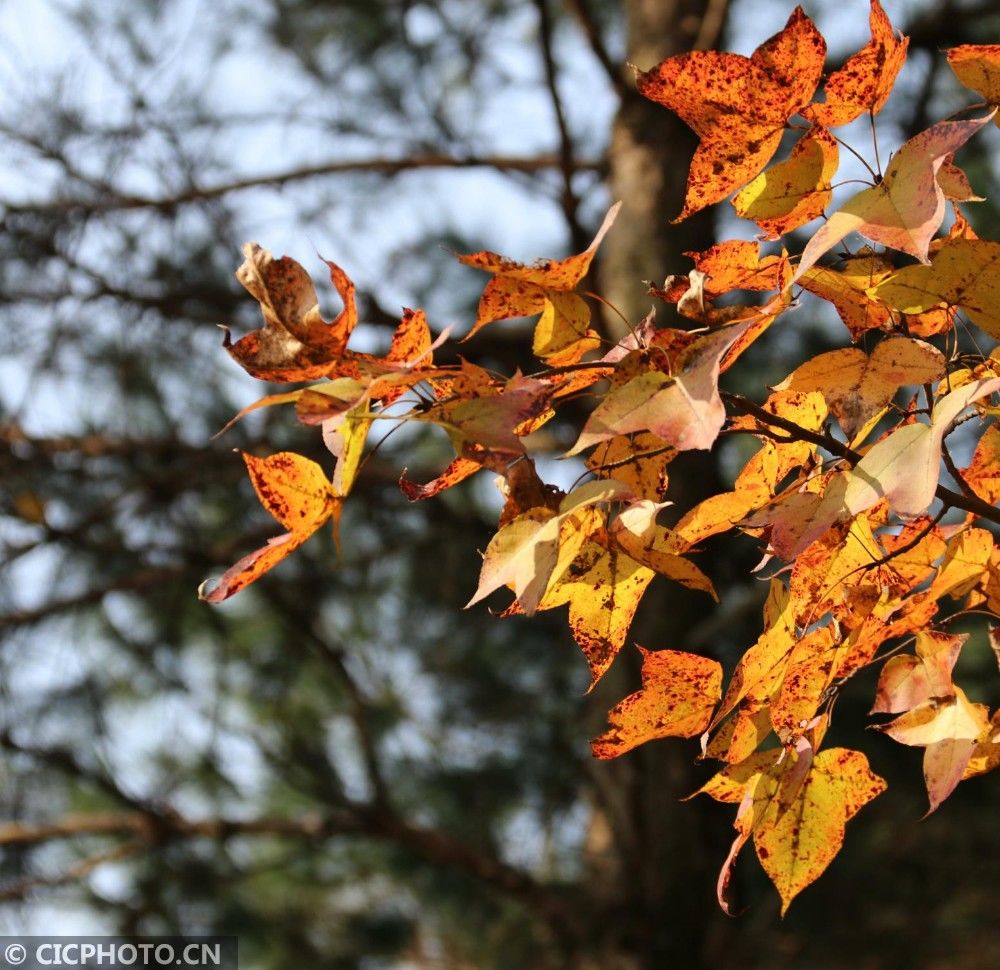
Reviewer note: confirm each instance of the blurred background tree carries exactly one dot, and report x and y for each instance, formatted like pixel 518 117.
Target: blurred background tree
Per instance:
pixel 340 766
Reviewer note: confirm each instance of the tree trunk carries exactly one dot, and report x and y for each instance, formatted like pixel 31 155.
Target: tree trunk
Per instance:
pixel 658 870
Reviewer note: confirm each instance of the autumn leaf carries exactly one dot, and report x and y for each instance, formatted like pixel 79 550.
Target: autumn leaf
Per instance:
pixel 866 79
pixel 603 588
pixel 457 471
pixel 639 460
pixel 732 265
pixel 297 493
pixel 678 693
pixel 684 409
pixel 846 288
pixel 524 553
pixel 795 191
pixel 903 468
pixel 738 106
pixel 795 805
pixel 562 335
pixel 907 207
pixel 963 273
pixel 636 533
pixel 799 825
pixel 857 387
pixel 977 66
pixel 948 730
pixel 295 343
pixel 983 473
pixel 908 680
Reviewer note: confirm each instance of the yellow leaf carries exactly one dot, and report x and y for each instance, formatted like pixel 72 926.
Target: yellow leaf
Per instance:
pixel 603 589
pixel 524 554
pixel 795 191
pixel 636 533
pixel 977 66
pixel 800 824
pixel 964 273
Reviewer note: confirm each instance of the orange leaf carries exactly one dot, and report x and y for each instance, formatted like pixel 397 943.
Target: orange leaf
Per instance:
pixel 640 460
pixel 737 105
pixel 562 335
pixel 678 693
pixel 795 191
pixel 846 289
pixel 983 473
pixel 459 470
pixel 905 210
pixel 866 79
pixel 297 493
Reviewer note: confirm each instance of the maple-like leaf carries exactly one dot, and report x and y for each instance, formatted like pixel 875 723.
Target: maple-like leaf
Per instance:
pixel 683 408
pixel 525 552
pixel 738 106
pixel 810 668
pixel 562 334
pixel 295 343
pixel 678 693
pixel 846 288
pixel 948 730
pixel 636 532
pixel 866 78
pixel 795 191
pixel 908 680
pixel 983 473
pixel 800 822
pixel 795 805
pixel 977 66
pixel 907 207
pixel 986 754
pixel 732 265
pixel 962 273
pixel 297 493
pixel 603 589
pixel 857 387
pixel 639 460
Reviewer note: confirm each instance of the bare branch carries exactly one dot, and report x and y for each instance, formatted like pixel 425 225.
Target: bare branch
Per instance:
pixel 114 202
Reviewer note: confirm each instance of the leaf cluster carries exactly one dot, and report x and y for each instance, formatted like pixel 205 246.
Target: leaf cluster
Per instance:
pixel 872 552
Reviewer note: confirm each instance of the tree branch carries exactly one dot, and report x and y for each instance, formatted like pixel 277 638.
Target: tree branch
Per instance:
pixel 376 166
pixel 973 504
